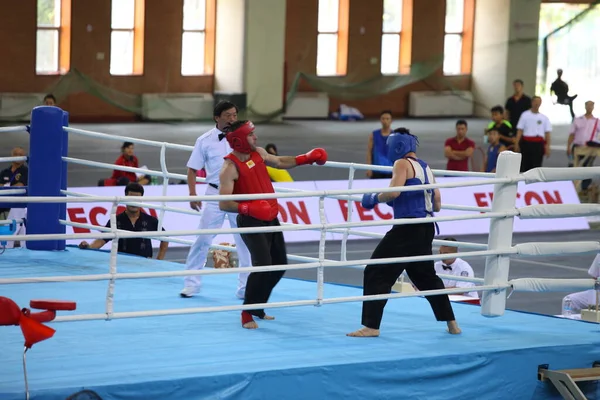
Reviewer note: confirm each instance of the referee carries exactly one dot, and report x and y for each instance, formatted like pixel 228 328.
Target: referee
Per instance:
pixel 533 136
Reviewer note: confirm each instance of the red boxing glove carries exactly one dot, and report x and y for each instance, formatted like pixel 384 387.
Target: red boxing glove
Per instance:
pixel 259 209
pixel 315 155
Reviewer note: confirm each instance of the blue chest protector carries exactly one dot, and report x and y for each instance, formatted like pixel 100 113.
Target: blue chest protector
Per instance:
pixel 414 204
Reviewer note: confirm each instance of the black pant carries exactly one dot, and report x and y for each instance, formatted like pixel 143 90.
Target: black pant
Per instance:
pixel 265 249
pixel 568 101
pixel 403 241
pixel 532 155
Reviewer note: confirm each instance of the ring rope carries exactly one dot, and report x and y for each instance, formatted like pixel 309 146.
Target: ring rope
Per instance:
pixel 506 177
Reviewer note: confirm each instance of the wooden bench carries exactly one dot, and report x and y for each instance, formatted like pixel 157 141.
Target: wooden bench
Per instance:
pixel 565 380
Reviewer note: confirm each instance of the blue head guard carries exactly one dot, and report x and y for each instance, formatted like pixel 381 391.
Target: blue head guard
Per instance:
pixel 400 143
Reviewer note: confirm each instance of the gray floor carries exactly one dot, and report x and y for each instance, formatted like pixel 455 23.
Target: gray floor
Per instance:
pixel 344 142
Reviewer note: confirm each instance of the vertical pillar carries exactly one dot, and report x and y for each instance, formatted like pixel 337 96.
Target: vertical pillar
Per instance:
pixel 250 54
pixel 493 304
pixel 505 48
pixel 264 55
pixel 48 143
pixel 229 47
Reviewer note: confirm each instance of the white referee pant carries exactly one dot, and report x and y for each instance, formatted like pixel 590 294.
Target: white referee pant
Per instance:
pixel 581 300
pixel 213 218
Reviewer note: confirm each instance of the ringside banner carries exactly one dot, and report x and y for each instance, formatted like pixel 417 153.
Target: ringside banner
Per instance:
pixel 305 210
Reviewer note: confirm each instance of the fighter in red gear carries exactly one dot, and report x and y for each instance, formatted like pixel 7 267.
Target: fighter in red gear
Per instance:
pixel 245 172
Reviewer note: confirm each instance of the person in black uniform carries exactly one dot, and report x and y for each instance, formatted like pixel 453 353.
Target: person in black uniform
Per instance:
pixel 517 104
pixel 15 175
pixel 132 219
pixel 561 90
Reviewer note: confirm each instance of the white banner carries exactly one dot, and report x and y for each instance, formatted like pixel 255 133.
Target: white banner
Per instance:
pixel 306 210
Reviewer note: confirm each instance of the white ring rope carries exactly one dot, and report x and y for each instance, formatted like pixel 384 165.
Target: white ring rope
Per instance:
pixel 8 129
pixel 498 251
pixel 12 159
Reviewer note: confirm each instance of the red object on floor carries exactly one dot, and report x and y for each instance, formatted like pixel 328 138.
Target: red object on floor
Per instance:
pixel 31 323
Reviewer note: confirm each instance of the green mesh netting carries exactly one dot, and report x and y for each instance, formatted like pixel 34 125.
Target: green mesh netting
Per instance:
pixel 76 82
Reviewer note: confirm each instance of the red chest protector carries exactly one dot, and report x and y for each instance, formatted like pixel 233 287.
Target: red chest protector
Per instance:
pixel 253 178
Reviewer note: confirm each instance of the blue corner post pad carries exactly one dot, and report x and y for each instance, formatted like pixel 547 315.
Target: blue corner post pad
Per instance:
pixel 48 143
pixel 7 229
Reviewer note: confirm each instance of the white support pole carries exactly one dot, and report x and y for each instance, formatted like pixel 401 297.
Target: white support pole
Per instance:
pixel 349 207
pixel 493 304
pixel 320 268
pixel 110 294
pixel 165 185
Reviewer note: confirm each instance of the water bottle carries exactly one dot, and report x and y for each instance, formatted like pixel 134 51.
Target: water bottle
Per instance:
pixel 567 307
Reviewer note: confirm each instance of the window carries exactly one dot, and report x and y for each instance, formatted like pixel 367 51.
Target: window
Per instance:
pixel 127 37
pixel 53 37
pixel 390 39
pixel 332 37
pixel 453 40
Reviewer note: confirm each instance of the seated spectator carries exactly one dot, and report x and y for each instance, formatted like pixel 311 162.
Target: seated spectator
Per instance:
pixel 459 149
pixel 15 175
pixel 132 219
pixel 122 178
pixel 494 149
pixel 457 267
pixel 49 100
pixel 277 175
pixel 502 126
pixel 582 300
pixel 377 150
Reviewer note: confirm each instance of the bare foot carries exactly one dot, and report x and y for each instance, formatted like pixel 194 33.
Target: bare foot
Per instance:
pixel 250 325
pixel 453 328
pixel 364 332
pixel 268 317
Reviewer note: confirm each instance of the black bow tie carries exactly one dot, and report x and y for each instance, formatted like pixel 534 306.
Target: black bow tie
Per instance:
pixel 447 267
pixel 221 136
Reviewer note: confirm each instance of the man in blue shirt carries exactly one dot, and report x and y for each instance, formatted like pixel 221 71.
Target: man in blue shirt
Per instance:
pixel 405 240
pixel 377 152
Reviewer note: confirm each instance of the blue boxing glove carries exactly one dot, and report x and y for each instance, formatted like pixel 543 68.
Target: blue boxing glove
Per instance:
pixel 370 200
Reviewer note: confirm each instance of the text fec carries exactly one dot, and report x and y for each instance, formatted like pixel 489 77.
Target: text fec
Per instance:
pixel 530 197
pixel 78 214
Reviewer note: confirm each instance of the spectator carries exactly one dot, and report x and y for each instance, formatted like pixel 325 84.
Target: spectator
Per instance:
pixel 561 90
pixel 277 175
pixel 15 175
pixel 377 150
pixel 457 267
pixel 49 100
pixel 584 132
pixel 517 104
pixel 459 149
pixel 494 149
pixel 122 178
pixel 503 127
pixel 533 136
pixel 132 219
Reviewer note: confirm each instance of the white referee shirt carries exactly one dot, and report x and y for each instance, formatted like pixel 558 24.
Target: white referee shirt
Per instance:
pixel 594 270
pixel 208 154
pixel 534 125
pixel 458 268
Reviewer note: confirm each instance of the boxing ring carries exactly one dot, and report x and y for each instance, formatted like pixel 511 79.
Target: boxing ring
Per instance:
pixel 132 336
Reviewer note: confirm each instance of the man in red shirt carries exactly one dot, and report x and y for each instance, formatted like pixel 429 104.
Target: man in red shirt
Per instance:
pixel 459 149
pixel 245 172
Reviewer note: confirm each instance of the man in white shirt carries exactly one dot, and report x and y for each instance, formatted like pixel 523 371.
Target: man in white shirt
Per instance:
pixel 581 300
pixel 584 129
pixel 533 136
pixel 455 266
pixel 209 152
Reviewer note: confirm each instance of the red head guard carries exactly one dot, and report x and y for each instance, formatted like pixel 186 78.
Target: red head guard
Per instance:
pixel 238 139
